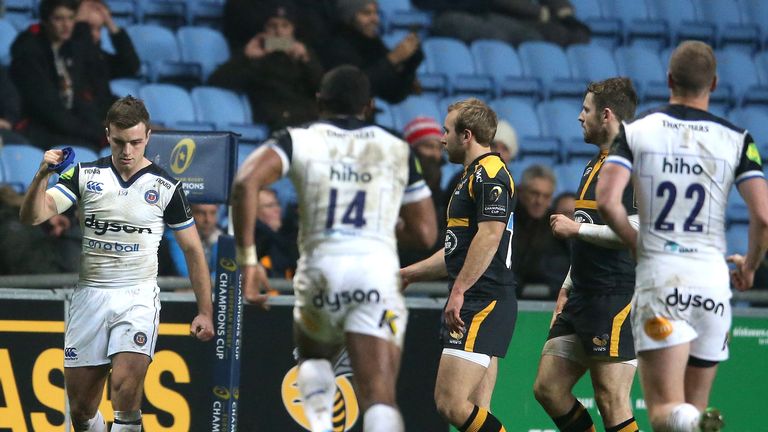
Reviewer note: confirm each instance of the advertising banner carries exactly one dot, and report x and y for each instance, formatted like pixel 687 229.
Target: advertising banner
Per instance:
pixel 204 161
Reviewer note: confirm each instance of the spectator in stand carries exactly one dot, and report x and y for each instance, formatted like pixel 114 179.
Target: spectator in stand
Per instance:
pixel 314 24
pixel 513 21
pixel 505 141
pixel 279 74
pixel 537 256
pixel 10 110
pixel 62 74
pixel 357 42
pixel 565 204
pixel 206 221
pixel 276 244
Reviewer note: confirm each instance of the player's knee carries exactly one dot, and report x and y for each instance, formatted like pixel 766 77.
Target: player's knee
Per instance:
pixel 608 399
pixel 546 392
pixel 451 408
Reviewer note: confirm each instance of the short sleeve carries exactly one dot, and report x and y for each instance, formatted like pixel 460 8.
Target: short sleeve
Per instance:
pixel 750 164
pixel 178 213
pixel 282 143
pixel 620 153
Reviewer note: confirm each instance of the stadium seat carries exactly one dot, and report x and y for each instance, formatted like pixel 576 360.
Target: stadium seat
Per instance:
pixel 159 53
pixel 20 163
pixel 400 14
pixel 224 108
pixel 172 107
pixel 560 119
pixel 123 11
pixel 243 150
pixel 501 62
pixel 605 31
pixel 755 120
pixel 122 87
pixel 683 21
pixel 756 12
pixel 7 36
pixel 392 38
pixel 644 67
pixel 736 210
pixel 736 68
pixel 383 116
pixel 209 12
pixel 412 107
pixel 548 62
pixel 639 25
pixel 737 239
pixel 168 13
pixel 447 172
pixel 204 46
pixel 105 152
pixel 569 176
pixel 730 27
pixel 591 62
pixel 451 58
pixel 520 114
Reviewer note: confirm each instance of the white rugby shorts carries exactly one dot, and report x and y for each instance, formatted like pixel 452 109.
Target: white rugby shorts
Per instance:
pixel 360 293
pixel 665 317
pixel 105 321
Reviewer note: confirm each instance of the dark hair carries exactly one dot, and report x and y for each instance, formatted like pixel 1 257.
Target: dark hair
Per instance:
pixel 474 115
pixel 616 94
pixel 126 113
pixel 48 6
pixel 692 68
pixel 344 90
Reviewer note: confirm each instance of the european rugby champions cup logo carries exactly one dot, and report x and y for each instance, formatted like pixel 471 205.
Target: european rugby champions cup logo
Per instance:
pixel 345 408
pixel 182 155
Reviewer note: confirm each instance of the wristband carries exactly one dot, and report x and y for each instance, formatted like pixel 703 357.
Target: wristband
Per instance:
pixel 69 157
pixel 246 256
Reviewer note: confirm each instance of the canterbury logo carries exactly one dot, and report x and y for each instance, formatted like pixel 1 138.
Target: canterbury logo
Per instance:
pixel 70 353
pixel 94 186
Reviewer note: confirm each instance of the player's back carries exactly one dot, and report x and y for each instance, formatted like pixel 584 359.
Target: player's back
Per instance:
pixel 350 178
pixel 684 163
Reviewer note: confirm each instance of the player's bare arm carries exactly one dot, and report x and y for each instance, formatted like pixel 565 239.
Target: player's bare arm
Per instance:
pixel 754 192
pixel 483 247
pixel 564 227
pixel 261 168
pixel 199 275
pixel 613 180
pixel 425 270
pixel 38 206
pixel 419 227
pixel 562 297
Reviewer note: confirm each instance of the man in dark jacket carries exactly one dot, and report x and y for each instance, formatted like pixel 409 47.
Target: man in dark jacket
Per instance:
pixel 392 73
pixel 63 76
pixel 279 74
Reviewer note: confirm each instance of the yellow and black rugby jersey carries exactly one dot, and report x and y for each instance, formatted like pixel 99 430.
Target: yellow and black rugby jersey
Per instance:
pixel 595 268
pixel 486 192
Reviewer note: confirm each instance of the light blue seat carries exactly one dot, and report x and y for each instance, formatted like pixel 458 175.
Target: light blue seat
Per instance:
pixel 644 67
pixel 400 14
pixel 683 21
pixel 159 53
pixel 639 23
pixel 756 12
pixel 591 62
pixel 730 25
pixel 559 118
pixel 569 176
pixel 7 36
pixel 520 113
pixel 737 239
pixel 755 120
pixel 122 87
pixel 500 61
pixel 383 116
pixel 452 59
pixel 412 107
pixel 737 69
pixel 171 106
pixel 20 163
pixel 168 13
pixel 606 31
pixel 204 46
pixel 224 108
pixel 548 62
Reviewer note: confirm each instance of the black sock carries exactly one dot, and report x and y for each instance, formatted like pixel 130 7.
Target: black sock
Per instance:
pixel 481 420
pixel 625 426
pixel 577 420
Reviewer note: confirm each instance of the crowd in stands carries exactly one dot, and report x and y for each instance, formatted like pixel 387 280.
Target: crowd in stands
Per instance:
pixel 67 59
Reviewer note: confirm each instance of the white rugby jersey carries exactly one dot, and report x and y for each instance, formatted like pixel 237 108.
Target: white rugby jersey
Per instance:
pixel 351 179
pixel 122 221
pixel 684 162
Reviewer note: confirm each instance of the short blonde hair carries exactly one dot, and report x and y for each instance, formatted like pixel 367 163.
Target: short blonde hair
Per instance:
pixel 474 115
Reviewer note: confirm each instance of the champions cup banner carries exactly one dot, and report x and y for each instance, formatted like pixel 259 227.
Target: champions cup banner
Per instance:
pixel 227 325
pixel 204 161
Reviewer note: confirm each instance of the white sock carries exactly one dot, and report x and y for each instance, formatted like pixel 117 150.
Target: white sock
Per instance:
pixel 127 421
pixel 317 385
pixel 684 418
pixel 382 418
pixel 96 424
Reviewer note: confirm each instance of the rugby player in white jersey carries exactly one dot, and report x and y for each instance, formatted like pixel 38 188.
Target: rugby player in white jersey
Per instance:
pixel 124 202
pixel 353 180
pixel 683 161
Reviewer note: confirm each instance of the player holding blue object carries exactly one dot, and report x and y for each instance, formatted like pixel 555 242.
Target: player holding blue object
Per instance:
pixel 125 202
